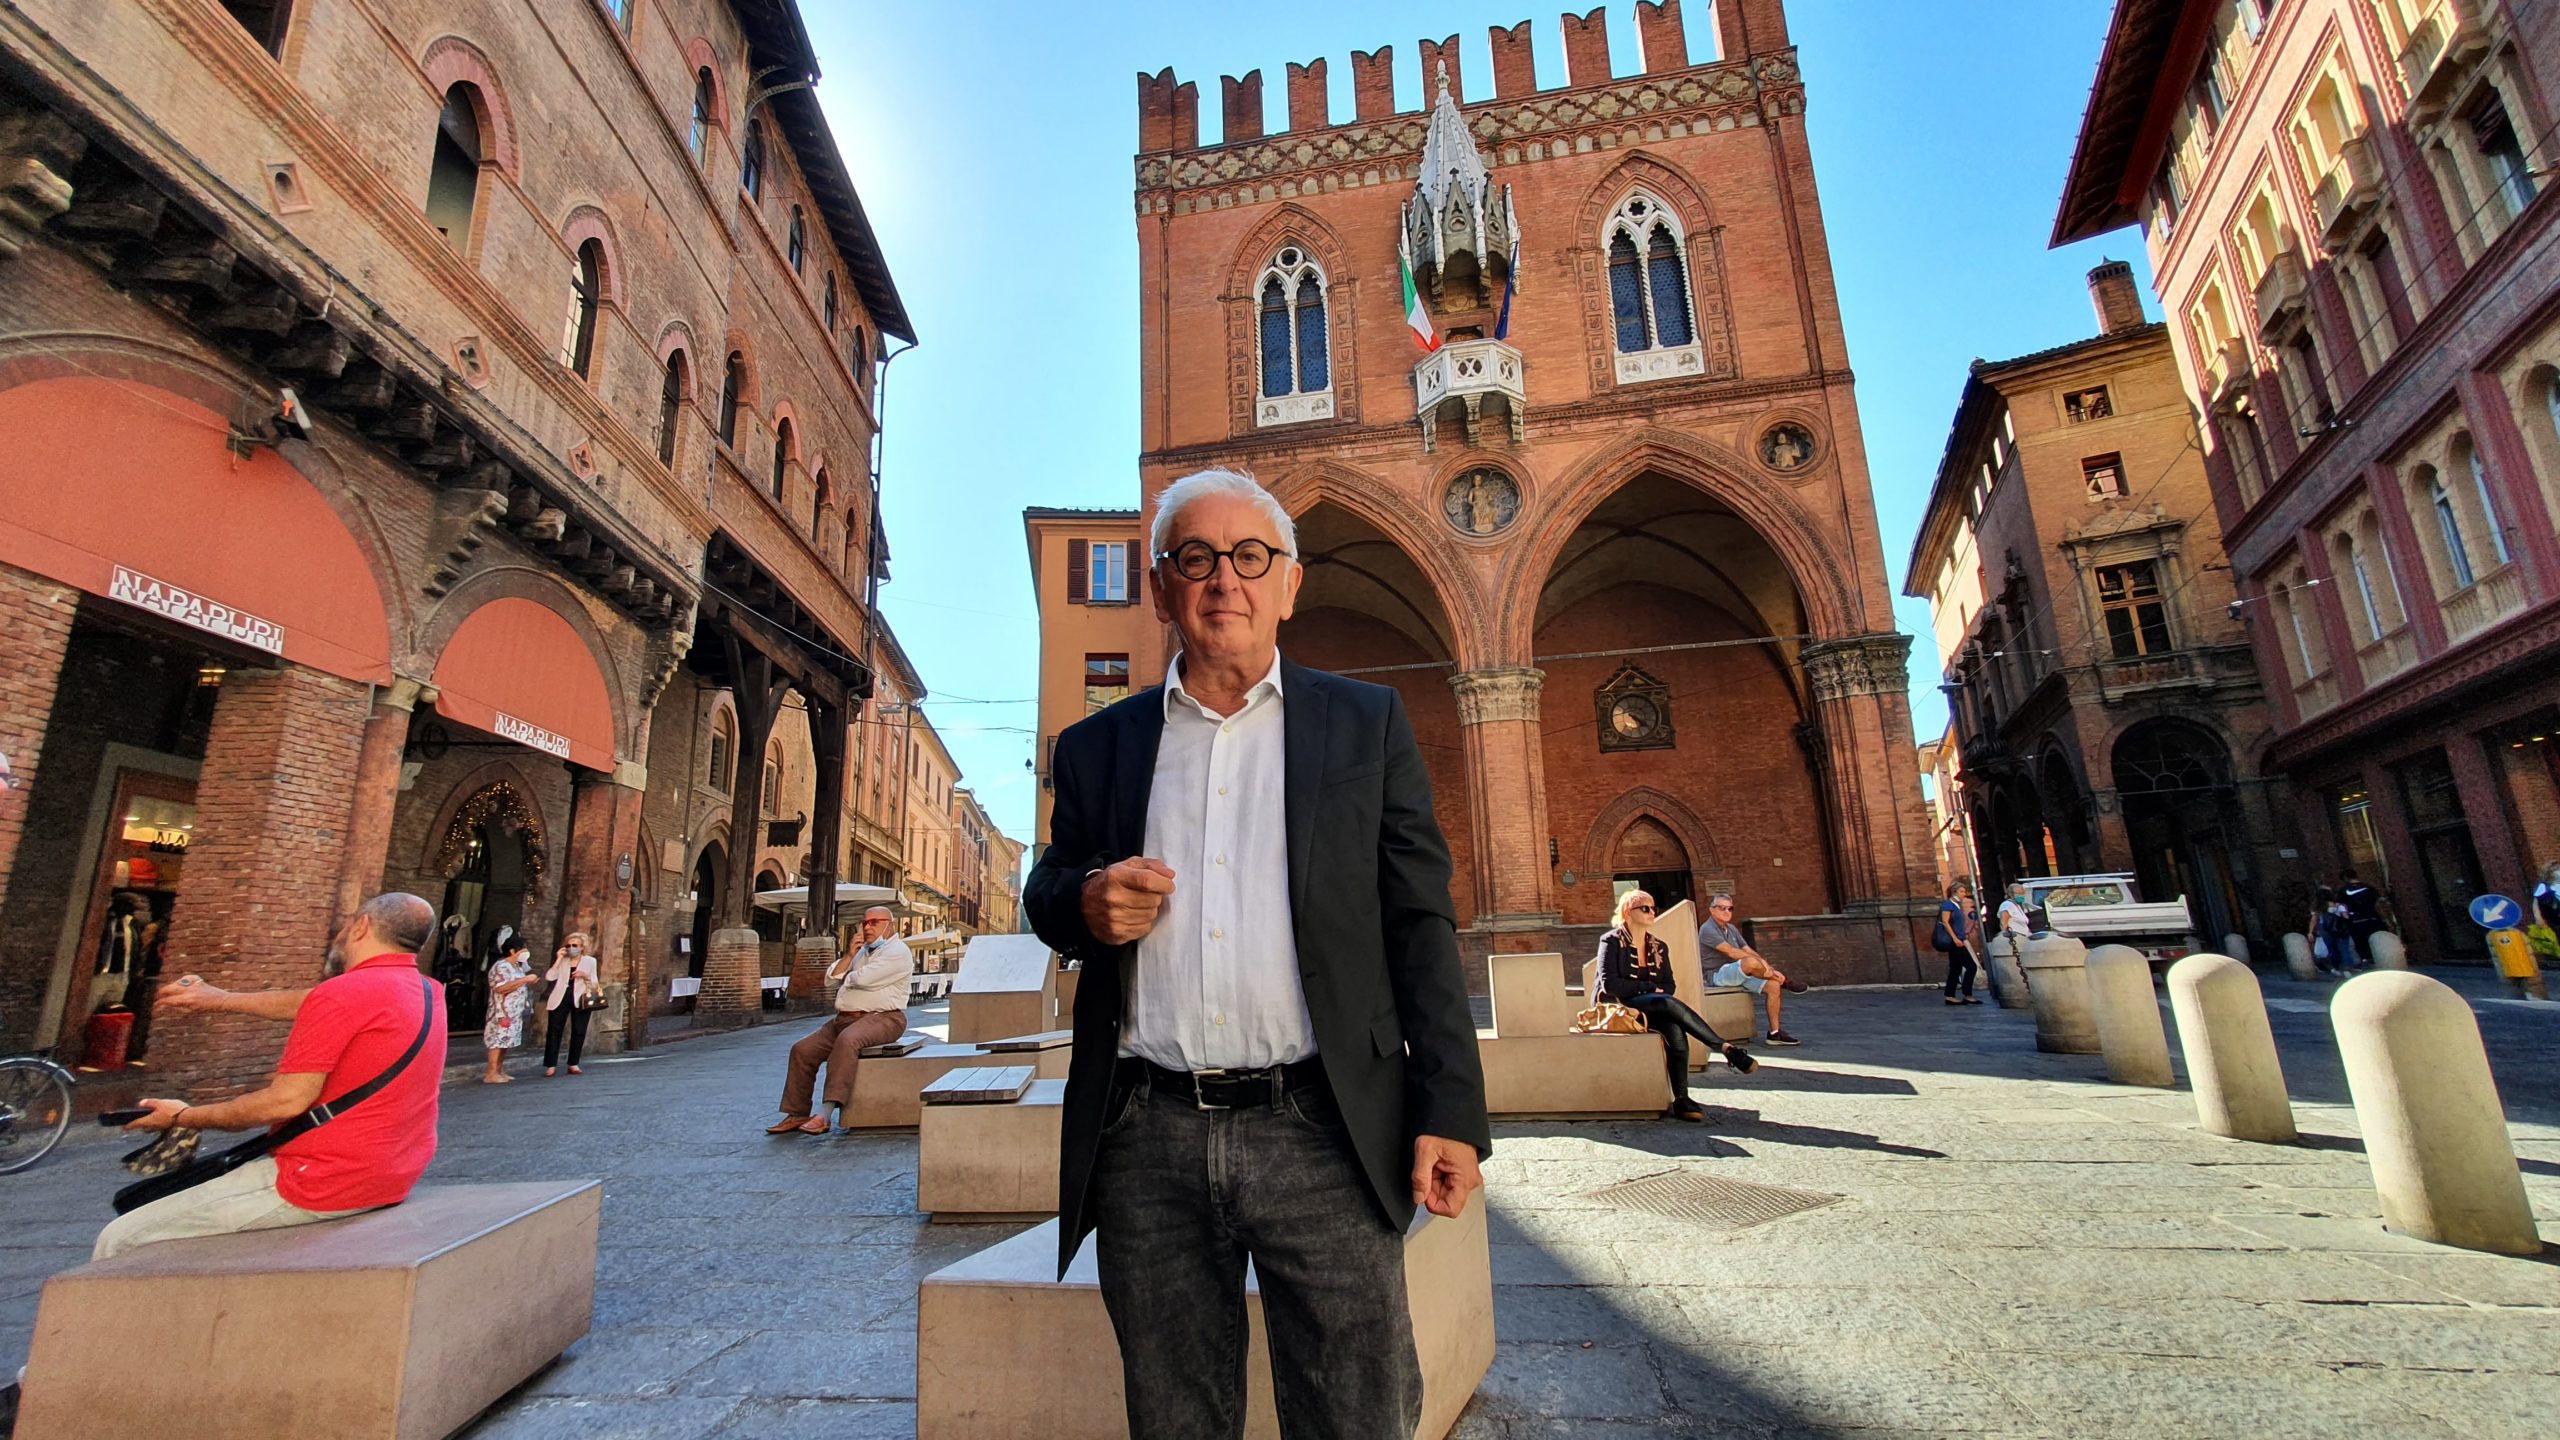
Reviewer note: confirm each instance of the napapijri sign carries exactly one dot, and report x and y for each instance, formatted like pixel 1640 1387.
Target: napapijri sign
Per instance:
pixel 188 608
pixel 525 732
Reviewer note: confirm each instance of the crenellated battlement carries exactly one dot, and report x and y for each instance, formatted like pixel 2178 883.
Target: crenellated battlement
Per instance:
pixel 1169 112
pixel 1753 78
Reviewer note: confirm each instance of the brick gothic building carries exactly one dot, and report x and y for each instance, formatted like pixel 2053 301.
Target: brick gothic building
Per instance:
pixel 580 321
pixel 1620 558
pixel 2106 714
pixel 2353 229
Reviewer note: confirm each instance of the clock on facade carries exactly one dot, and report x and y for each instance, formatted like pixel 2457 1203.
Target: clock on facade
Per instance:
pixel 1634 710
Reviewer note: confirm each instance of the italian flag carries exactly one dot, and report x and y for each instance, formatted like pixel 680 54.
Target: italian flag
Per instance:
pixel 1415 316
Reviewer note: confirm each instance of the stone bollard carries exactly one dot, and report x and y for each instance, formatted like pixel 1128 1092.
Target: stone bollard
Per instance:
pixel 2128 1017
pixel 2236 945
pixel 2297 957
pixel 2058 979
pixel 2385 951
pixel 2434 1131
pixel 2231 1052
pixel 2008 980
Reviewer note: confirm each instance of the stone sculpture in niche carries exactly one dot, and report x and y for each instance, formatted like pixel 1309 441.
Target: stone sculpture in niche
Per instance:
pixel 1786 446
pixel 1481 502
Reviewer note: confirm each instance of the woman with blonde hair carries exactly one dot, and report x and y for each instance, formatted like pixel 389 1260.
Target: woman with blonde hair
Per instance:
pixel 1635 971
pixel 575 993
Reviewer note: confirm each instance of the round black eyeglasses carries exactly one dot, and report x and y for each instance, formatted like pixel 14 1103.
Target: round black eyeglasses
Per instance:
pixel 1198 560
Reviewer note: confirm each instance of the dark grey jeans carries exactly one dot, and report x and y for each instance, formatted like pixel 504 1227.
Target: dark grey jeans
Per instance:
pixel 1182 1197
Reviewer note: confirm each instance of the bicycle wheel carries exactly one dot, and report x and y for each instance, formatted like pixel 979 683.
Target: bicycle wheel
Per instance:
pixel 35 1108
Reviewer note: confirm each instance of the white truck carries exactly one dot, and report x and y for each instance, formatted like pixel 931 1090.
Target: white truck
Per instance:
pixel 2103 910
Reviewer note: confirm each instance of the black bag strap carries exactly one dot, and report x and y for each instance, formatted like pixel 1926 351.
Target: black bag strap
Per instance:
pixel 328 1110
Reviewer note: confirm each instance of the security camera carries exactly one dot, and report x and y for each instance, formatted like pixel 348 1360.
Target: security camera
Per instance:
pixel 290 412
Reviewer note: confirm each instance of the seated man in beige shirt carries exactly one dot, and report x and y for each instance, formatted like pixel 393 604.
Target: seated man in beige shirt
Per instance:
pixel 871 1009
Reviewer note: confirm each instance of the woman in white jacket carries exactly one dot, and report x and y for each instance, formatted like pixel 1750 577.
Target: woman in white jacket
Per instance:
pixel 574 992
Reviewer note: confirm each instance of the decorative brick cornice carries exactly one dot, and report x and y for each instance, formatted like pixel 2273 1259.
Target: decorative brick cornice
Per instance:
pixel 1632 111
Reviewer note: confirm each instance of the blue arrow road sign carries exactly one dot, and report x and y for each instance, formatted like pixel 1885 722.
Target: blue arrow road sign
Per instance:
pixel 2496 912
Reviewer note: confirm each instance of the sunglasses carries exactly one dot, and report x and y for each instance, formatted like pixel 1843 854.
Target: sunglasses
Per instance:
pixel 1639 909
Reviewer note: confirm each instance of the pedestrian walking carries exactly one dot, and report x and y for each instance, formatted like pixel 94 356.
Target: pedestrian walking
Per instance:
pixel 871 1009
pixel 1953 937
pixel 2365 915
pixel 510 995
pixel 1635 971
pixel 2333 933
pixel 575 993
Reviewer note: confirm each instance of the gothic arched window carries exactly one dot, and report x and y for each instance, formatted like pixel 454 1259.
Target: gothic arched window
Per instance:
pixel 1648 277
pixel 586 298
pixel 1291 340
pixel 831 302
pixel 751 161
pixel 671 393
pixel 698 139
pixel 796 248
pixel 733 382
pixel 781 454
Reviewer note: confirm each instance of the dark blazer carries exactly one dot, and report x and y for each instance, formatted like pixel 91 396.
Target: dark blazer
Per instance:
pixel 1368 901
pixel 1626 976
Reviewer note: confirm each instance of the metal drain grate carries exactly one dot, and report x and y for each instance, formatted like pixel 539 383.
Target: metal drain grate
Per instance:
pixel 1706 1200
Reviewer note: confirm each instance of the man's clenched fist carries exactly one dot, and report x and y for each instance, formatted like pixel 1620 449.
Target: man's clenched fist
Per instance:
pixel 1121 903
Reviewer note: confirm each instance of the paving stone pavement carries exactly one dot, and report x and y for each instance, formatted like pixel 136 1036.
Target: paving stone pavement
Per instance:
pixel 2016 1248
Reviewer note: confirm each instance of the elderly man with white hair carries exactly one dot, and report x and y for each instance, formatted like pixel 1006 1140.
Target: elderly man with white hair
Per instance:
pixel 1274 1059
pixel 871 983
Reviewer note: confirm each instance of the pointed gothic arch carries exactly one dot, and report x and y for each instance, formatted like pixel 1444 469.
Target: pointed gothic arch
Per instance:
pixel 1373 502
pixel 1647 803
pixel 1291 224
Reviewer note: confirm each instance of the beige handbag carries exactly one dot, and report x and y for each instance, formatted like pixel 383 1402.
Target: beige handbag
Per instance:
pixel 1608 1017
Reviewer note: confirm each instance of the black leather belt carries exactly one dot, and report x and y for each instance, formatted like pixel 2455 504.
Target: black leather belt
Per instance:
pixel 1224 1089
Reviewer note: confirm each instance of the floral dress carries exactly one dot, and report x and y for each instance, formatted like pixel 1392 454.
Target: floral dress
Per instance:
pixel 504 1029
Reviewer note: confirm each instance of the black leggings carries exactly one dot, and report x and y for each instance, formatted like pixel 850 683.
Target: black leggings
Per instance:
pixel 1960 970
pixel 1675 1022
pixel 571 1019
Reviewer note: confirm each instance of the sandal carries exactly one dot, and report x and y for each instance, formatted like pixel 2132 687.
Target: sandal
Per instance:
pixel 789 1123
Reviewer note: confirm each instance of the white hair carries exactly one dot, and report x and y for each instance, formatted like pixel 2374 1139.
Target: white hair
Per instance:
pixel 1206 483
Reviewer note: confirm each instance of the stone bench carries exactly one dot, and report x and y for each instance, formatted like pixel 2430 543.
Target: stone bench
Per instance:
pixel 401 1324
pixel 1577 1075
pixel 888 1091
pixel 1002 1315
pixel 991 1162
pixel 1007 985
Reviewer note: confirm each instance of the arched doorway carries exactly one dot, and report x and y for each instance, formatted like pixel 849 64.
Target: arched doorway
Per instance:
pixel 1366 609
pixel 2173 780
pixel 492 857
pixel 1669 631
pixel 2066 815
pixel 1650 858
pixel 710 880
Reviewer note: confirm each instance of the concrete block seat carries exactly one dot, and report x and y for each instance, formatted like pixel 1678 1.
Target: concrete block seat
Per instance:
pixel 888 1089
pixel 405 1322
pixel 1007 985
pixel 1002 1315
pixel 987 1162
pixel 1577 1075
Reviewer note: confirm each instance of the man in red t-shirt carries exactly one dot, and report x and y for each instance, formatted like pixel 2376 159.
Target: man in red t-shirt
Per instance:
pixel 346 1030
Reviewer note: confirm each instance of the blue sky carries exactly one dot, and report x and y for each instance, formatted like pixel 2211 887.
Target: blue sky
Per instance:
pixel 992 145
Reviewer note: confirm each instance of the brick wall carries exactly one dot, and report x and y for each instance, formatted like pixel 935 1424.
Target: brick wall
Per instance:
pixel 271 816
pixel 35 629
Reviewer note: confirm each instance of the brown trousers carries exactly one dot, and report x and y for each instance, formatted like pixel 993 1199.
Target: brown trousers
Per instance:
pixel 838 1045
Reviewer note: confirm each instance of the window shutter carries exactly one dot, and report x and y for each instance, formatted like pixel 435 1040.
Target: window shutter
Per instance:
pixel 1075 572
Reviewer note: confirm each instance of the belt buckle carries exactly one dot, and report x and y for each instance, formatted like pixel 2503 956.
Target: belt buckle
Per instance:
pixel 1201 1101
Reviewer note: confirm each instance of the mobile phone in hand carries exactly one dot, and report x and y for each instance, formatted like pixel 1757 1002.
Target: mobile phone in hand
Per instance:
pixel 118 1119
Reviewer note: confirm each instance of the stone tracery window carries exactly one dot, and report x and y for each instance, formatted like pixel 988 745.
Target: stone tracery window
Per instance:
pixel 1649 310
pixel 1292 346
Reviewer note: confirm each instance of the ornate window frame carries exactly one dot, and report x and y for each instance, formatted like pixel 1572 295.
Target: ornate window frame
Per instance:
pixel 1290 266
pixel 1639 216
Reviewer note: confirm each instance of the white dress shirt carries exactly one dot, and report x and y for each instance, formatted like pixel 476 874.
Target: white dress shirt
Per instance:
pixel 1215 983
